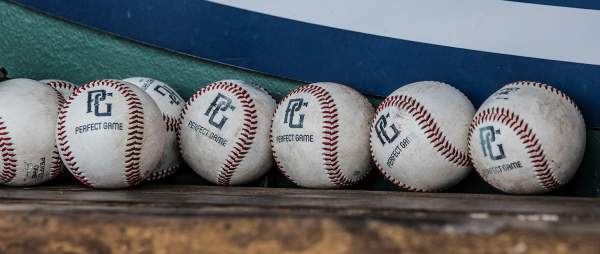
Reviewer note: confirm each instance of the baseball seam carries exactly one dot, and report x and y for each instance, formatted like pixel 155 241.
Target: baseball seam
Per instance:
pixel 248 131
pixel 56 165
pixel 163 173
pixel 9 160
pixel 390 177
pixel 275 158
pixel 58 84
pixel 134 136
pixel 63 142
pixel 330 136
pixel 542 170
pixel 171 123
pixel 548 88
pixel 429 127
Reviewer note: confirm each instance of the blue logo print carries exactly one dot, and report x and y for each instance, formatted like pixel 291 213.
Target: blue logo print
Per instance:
pixel 93 103
pixel 382 133
pixel 221 103
pixel 162 90
pixel 294 106
pixel 487 135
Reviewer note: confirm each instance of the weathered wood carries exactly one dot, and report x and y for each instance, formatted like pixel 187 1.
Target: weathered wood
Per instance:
pixel 208 219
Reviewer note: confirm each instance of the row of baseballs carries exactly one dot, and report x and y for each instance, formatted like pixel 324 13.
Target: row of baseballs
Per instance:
pixel 526 138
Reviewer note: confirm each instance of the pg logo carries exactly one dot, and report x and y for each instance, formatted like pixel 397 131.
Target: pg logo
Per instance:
pixel 487 136
pixel 505 93
pixel 294 107
pixel 164 91
pixel 96 104
pixel 217 107
pixel 385 133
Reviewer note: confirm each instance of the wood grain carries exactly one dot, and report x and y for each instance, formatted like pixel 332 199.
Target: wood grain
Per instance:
pixel 208 219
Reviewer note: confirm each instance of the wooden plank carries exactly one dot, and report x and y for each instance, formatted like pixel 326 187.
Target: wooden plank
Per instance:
pixel 109 233
pixel 209 219
pixel 195 195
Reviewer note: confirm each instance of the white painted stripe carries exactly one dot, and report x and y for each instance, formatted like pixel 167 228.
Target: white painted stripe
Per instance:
pixel 539 31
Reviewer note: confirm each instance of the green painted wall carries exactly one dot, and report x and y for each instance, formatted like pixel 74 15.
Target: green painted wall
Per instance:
pixel 36 46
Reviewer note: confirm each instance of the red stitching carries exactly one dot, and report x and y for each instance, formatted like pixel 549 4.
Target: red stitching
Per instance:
pixel 431 130
pixel 390 177
pixel 9 160
pixel 429 126
pixel 56 165
pixel 171 123
pixel 330 137
pixel 542 169
pixel 277 161
pixel 59 84
pixel 244 142
pixel 163 173
pixel 63 143
pixel 548 88
pixel 134 137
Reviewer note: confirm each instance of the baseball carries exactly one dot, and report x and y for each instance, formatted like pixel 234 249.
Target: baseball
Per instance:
pixel 320 135
pixel 224 135
pixel 65 88
pixel 110 134
pixel 419 136
pixel 527 138
pixel 170 104
pixel 28 112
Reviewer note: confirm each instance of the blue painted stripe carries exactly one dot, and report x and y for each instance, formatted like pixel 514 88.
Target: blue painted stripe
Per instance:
pixel 375 65
pixel 582 4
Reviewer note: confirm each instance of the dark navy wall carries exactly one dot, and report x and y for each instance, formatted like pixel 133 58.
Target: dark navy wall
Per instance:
pixel 375 65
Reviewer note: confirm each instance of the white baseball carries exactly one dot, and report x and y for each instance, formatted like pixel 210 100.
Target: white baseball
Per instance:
pixel 419 136
pixel 28 112
pixel 170 104
pixel 320 135
pixel 527 138
pixel 65 88
pixel 224 135
pixel 110 134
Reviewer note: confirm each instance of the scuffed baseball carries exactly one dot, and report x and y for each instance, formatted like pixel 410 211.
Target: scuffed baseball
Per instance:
pixel 110 134
pixel 170 104
pixel 224 134
pixel 320 135
pixel 65 88
pixel 527 138
pixel 28 112
pixel 419 136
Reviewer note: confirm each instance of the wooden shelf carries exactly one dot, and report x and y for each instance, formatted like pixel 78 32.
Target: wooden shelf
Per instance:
pixel 163 218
